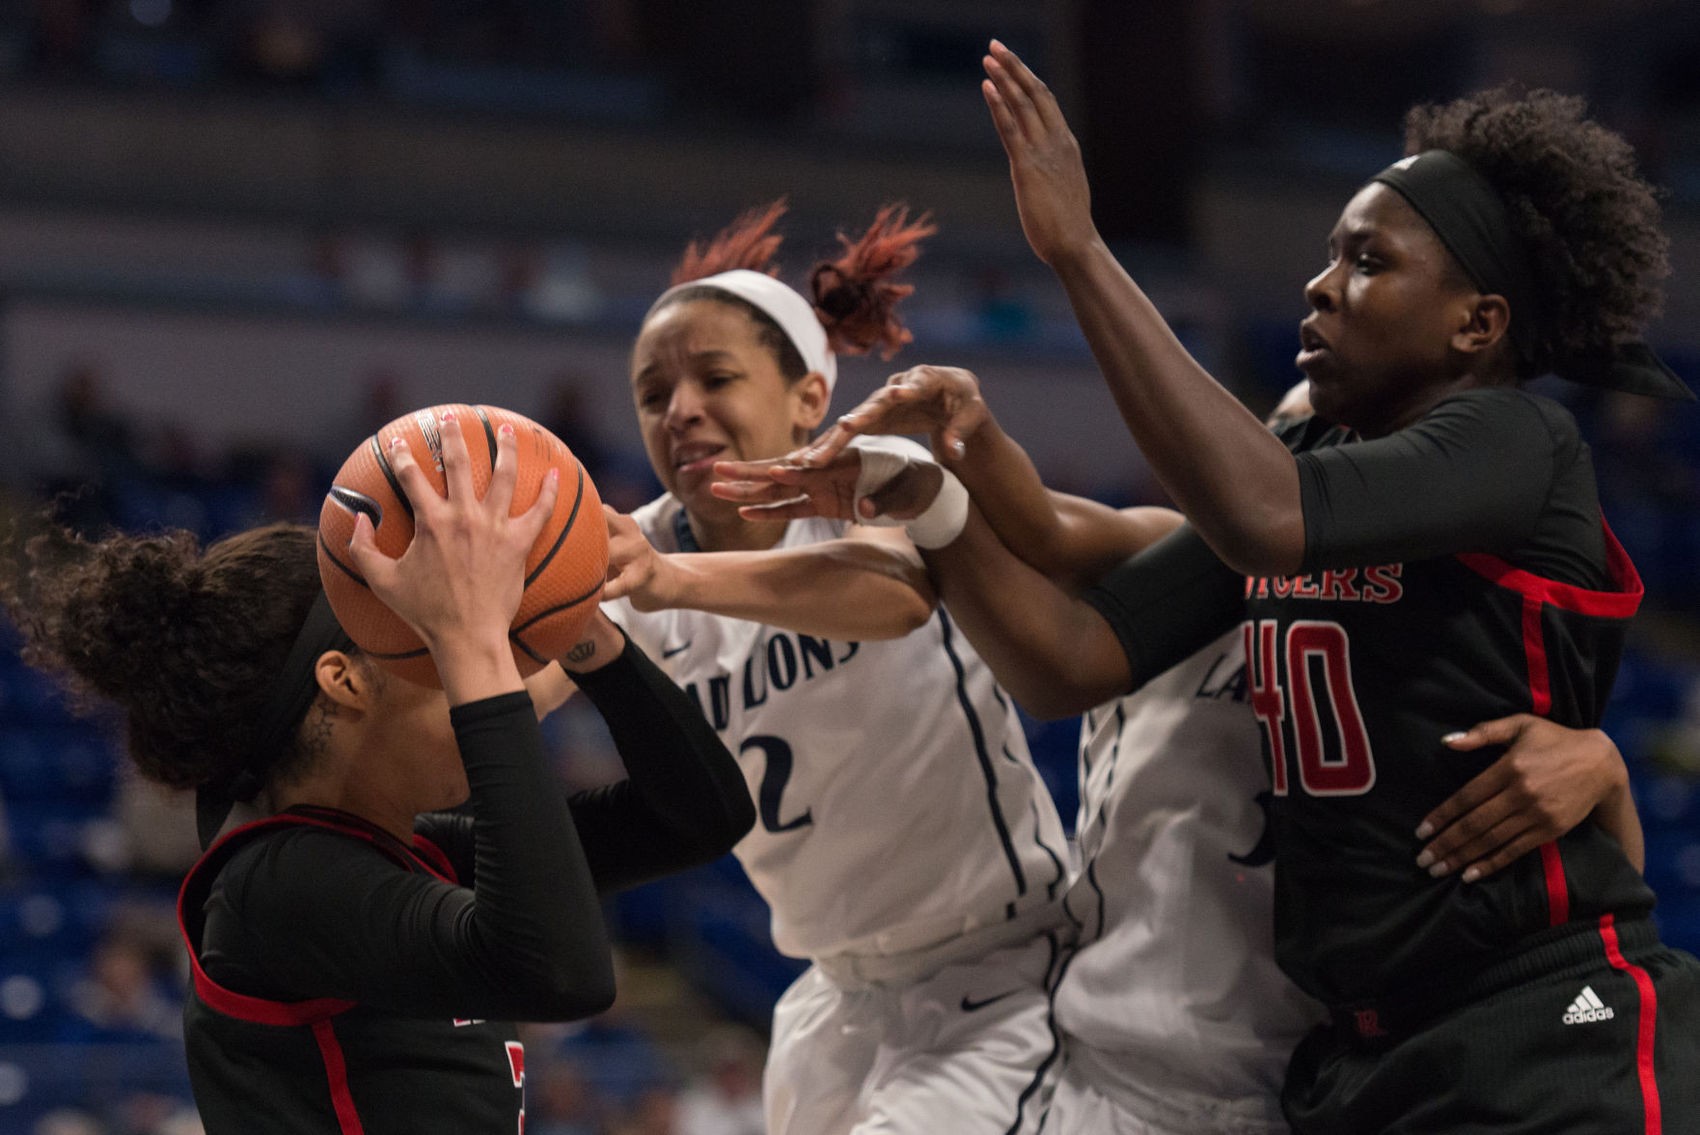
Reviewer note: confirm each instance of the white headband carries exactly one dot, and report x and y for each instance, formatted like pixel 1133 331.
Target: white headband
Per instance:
pixel 779 302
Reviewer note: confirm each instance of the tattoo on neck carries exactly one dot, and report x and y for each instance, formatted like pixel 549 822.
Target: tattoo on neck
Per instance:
pixel 582 652
pixel 316 730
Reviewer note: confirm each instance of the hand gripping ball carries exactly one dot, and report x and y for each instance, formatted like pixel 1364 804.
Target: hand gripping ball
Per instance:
pixel 563 574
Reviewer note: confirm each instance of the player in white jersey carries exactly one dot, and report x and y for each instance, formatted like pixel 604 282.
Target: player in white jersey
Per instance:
pixel 906 842
pixel 1174 1017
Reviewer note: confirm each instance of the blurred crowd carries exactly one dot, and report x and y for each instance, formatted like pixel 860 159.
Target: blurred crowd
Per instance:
pixel 91 971
pixel 638 55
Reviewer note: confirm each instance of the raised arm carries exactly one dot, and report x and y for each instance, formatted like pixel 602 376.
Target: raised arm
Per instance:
pixel 869 585
pixel 1070 539
pixel 525 938
pixel 1233 479
pixel 1054 651
pixel 684 801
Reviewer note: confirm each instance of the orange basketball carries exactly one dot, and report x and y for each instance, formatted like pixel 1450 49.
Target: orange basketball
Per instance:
pixel 563 573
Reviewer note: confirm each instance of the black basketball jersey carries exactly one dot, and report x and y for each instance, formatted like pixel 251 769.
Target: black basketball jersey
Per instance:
pixel 1358 667
pixel 490 914
pixel 1455 572
pixel 259 1066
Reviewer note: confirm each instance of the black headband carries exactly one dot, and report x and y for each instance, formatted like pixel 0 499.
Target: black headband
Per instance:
pixel 293 691
pixel 1471 220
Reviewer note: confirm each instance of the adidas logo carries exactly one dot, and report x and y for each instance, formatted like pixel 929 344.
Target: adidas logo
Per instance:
pixel 1587 1008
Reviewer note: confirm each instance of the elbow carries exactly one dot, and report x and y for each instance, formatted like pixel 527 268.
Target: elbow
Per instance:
pixel 905 608
pixel 713 835
pixel 742 817
pixel 737 819
pixel 598 996
pixel 1055 703
pixel 1261 545
pixel 1064 690
pixel 578 990
pixel 913 613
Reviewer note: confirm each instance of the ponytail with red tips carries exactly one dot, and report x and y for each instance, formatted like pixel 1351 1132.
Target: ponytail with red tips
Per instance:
pixel 852 307
pixel 855 295
pixel 748 242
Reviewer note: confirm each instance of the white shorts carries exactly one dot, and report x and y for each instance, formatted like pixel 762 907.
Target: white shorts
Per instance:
pixel 963 1050
pixel 1093 1094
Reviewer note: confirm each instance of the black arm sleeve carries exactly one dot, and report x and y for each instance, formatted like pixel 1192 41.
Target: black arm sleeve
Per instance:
pixel 684 800
pixel 1476 474
pixel 1168 602
pixel 321 914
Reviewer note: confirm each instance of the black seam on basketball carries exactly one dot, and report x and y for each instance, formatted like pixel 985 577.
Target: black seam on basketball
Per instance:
pixel 513 637
pixel 358 503
pixel 389 475
pixel 402 657
pixel 346 570
pixel 565 528
pixel 556 610
pixel 489 434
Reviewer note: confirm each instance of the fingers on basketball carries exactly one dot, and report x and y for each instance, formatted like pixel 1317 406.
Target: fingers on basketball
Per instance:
pixel 564 571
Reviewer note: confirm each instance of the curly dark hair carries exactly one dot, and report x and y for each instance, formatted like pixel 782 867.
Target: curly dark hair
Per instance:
pixel 185 642
pixel 854 296
pixel 1590 221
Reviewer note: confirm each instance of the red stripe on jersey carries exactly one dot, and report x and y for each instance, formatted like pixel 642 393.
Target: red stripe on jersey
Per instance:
pixel 259 1011
pixel 1535 657
pixel 1619 603
pixel 336 1073
pixel 1644 1029
pixel 1558 891
pixel 435 860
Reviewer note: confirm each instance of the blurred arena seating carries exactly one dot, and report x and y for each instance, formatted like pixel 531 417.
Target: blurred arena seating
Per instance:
pixel 235 237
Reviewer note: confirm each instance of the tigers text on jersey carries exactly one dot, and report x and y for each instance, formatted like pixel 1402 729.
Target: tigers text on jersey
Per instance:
pixel 1174 986
pixel 1357 673
pixel 898 804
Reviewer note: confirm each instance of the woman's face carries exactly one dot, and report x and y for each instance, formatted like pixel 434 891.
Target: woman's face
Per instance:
pixel 706 389
pixel 1378 346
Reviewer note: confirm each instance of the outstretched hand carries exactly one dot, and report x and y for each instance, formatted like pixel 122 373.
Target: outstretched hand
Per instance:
pixel 784 489
pixel 1044 159
pixel 636 571
pixel 1549 780
pixel 943 402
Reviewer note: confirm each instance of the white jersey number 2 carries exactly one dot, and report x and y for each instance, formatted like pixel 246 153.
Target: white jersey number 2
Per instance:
pixel 776 755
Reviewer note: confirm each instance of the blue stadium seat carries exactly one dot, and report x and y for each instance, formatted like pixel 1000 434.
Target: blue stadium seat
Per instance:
pixel 47 838
pixel 67 918
pixel 36 1078
pixel 729 952
pixel 33 981
pixel 1673 862
pixel 29 697
pixel 66 763
pixel 1678 917
pixel 1668 801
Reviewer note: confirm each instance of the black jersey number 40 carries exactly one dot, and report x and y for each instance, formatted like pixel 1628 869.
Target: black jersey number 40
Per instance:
pixel 1311 651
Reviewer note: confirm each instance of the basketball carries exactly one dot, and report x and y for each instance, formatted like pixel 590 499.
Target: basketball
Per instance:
pixel 563 573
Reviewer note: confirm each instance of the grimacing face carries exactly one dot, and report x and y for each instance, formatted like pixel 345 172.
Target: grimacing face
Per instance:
pixel 1378 346
pixel 706 389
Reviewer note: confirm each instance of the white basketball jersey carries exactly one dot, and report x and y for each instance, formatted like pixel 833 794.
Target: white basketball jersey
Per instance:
pixel 898 805
pixel 1175 979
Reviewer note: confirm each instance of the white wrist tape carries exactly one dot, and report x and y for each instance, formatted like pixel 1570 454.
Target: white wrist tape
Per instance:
pixel 938 524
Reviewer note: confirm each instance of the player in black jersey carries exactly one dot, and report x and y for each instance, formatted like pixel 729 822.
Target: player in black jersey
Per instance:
pixel 359 954
pixel 1428 550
